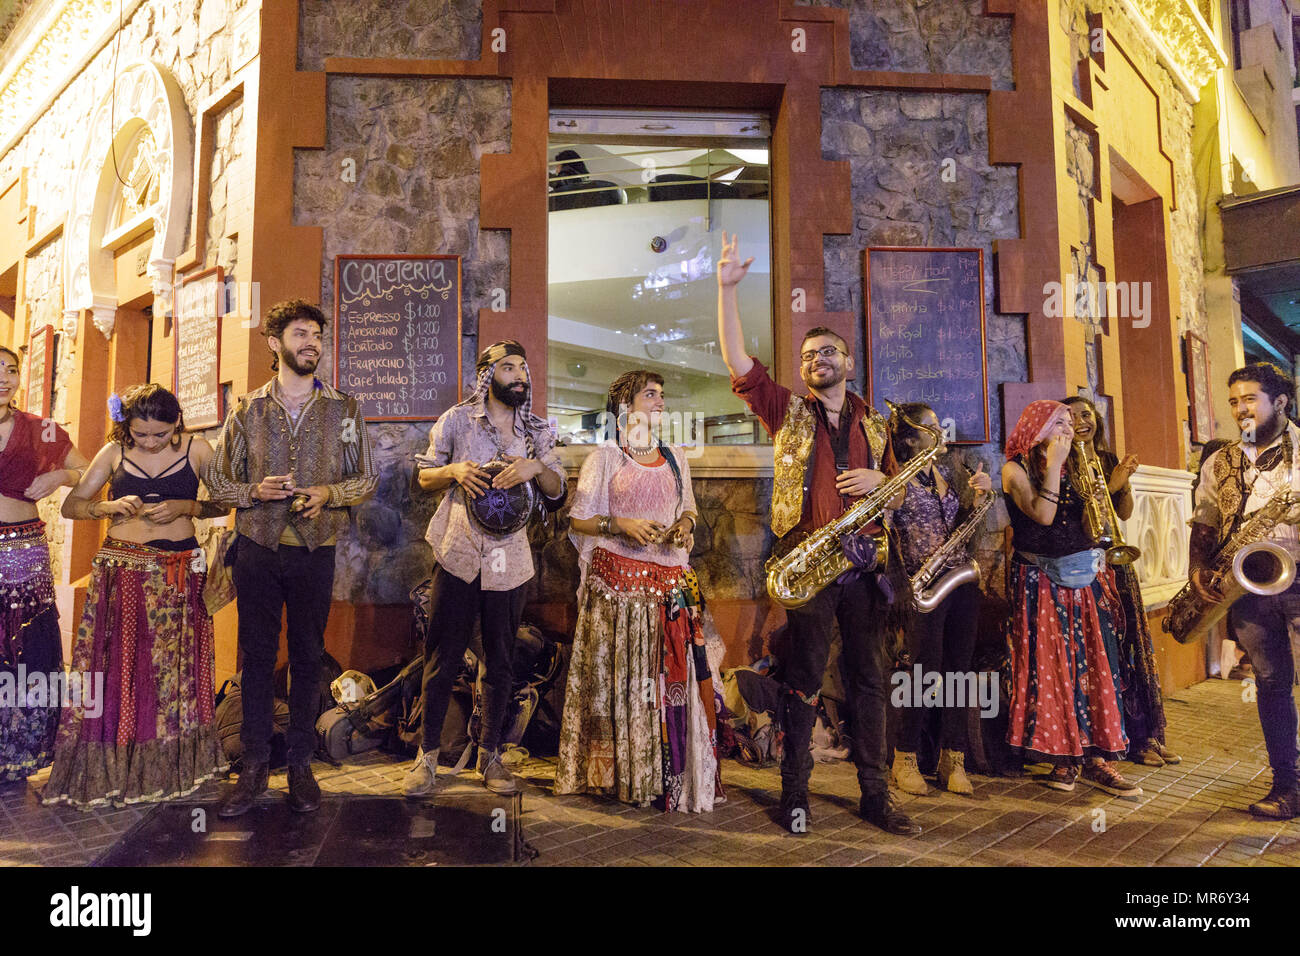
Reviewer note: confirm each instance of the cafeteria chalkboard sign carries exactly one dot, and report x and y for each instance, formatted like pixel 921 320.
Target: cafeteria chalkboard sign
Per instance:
pixel 925 334
pixel 196 379
pixel 40 371
pixel 397 334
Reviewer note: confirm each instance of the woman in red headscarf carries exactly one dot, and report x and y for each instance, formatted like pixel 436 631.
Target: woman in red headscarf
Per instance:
pixel 1065 614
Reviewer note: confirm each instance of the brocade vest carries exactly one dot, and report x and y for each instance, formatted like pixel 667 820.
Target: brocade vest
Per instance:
pixel 792 459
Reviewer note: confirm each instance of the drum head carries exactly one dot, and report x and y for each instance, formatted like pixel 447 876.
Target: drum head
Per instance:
pixel 502 510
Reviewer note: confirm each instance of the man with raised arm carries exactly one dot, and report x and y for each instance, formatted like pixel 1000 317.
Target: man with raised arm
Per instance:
pixel 829 450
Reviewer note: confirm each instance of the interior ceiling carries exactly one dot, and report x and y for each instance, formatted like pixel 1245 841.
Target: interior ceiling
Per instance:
pixel 611 161
pixel 1278 287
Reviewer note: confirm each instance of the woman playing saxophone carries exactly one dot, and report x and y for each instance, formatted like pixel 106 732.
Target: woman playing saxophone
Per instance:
pixel 935 504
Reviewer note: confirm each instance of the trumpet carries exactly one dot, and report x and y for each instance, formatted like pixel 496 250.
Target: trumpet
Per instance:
pixel 1089 480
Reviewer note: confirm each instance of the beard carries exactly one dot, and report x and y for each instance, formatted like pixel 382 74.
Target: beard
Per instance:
pixel 305 367
pixel 511 396
pixel 824 378
pixel 1262 426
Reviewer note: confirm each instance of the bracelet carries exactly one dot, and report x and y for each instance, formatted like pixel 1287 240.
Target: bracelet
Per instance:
pixel 1051 496
pixel 694 523
pixel 602 524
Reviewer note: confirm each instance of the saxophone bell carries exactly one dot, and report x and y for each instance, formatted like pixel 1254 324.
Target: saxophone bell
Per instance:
pixel 1264 567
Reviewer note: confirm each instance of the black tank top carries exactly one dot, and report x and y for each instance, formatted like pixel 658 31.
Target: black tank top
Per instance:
pixel 1065 535
pixel 176 482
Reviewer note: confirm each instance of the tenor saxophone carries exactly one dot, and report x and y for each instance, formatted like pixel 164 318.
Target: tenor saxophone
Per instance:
pixel 1247 563
pixel 925 597
pixel 796 577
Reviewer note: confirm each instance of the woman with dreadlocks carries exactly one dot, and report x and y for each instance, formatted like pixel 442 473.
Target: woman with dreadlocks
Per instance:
pixel 639 716
pixel 480 575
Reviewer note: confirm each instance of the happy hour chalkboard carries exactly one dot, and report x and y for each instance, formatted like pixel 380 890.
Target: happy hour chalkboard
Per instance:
pixel 397 334
pixel 196 378
pixel 925 333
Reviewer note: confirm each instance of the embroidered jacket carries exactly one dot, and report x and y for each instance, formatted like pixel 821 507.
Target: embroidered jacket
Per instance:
pixel 327 445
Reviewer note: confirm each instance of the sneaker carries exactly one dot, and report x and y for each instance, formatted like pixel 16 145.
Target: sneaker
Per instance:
pixel 1062 777
pixel 795 814
pixel 1104 776
pixel 1147 755
pixel 906 775
pixel 952 772
pixel 1282 803
pixel 1167 755
pixel 422 776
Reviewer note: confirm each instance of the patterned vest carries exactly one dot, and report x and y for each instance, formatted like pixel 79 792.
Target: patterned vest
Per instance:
pixel 1229 465
pixel 792 455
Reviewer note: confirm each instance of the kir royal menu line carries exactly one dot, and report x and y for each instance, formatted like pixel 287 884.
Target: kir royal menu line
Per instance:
pixel 397 334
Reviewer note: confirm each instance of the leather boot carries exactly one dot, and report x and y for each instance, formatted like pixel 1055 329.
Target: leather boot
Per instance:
pixel 907 777
pixel 952 772
pixel 250 785
pixel 304 791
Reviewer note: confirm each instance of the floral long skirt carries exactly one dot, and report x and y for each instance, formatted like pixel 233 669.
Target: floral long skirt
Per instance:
pixel 639 715
pixel 1064 670
pixel 1144 706
pixel 31 651
pixel 145 642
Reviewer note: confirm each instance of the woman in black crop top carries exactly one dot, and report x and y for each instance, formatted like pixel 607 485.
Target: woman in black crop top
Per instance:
pixel 1144 709
pixel 145 632
pixel 1066 614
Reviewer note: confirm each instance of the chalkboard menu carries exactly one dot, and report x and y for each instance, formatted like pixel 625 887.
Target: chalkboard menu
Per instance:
pixel 40 371
pixel 397 334
pixel 196 380
pixel 925 334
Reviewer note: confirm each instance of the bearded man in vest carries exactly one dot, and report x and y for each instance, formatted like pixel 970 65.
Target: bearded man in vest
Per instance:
pixel 829 446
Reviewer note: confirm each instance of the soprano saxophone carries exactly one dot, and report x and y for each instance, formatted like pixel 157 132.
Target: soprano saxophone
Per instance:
pixel 1246 563
pixel 796 577
pixel 926 594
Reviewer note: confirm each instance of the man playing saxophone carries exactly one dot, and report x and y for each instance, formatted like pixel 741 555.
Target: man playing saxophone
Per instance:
pixel 1237 481
pixel 829 446
pixel 937 501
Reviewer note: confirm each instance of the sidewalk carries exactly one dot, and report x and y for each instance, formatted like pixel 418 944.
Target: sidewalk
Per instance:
pixel 1191 814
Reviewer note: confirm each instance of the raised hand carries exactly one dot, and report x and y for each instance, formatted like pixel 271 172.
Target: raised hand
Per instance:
pixel 730 269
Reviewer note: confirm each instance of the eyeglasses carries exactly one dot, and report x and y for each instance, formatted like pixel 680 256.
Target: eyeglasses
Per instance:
pixel 826 351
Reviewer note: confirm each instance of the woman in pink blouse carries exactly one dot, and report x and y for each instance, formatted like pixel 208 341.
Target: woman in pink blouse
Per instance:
pixel 639 717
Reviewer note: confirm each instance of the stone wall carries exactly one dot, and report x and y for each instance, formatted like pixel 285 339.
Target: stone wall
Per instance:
pixel 418 29
pixel 231 164
pixel 416 145
pixel 927 36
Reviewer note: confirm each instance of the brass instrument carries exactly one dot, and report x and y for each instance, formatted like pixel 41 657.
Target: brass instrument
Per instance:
pixel 795 578
pixel 926 598
pixel 1246 563
pixel 1089 480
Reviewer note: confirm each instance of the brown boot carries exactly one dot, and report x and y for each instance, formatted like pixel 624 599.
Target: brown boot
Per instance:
pixel 952 772
pixel 251 785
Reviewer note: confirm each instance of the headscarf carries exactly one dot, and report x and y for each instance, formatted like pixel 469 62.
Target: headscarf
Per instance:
pixel 486 368
pixel 1035 422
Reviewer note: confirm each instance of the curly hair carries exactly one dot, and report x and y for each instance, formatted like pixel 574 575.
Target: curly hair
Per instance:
pixel 282 314
pixel 1270 378
pixel 152 402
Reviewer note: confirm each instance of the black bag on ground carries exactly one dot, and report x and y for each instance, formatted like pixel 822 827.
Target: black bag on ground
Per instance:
pixel 228 720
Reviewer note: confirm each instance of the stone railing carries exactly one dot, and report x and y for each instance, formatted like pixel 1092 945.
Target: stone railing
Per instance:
pixel 1162 505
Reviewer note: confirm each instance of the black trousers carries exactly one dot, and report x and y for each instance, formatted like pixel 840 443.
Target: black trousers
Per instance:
pixel 267 582
pixel 859 608
pixel 943 641
pixel 453 606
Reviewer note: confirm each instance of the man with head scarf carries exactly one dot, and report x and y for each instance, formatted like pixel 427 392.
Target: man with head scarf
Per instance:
pixel 480 575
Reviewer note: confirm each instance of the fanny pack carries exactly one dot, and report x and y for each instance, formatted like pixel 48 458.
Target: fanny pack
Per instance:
pixel 1076 570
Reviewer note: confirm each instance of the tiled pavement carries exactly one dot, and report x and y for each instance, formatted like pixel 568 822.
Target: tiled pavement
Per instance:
pixel 1190 814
